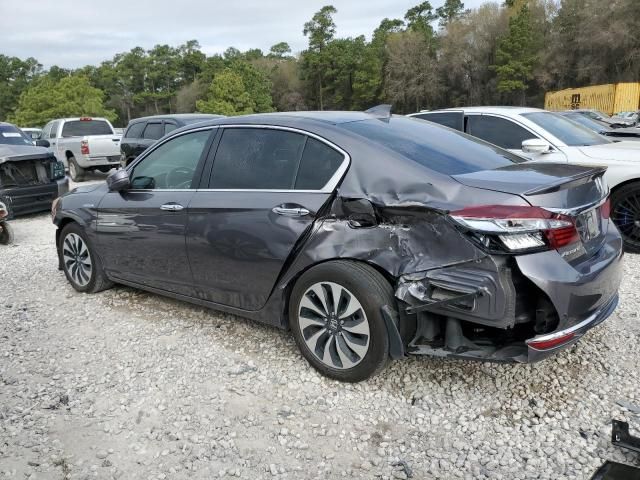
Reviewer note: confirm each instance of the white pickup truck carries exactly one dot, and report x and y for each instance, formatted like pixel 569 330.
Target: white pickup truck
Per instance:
pixel 83 143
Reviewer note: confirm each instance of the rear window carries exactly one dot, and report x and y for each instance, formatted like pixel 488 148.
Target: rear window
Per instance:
pixel 80 128
pixel 440 149
pixel 10 135
pixel 135 130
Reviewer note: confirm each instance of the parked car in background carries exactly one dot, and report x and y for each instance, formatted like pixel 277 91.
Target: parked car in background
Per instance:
pixel 34 133
pixel 143 132
pixel 83 144
pixel 464 251
pixel 602 117
pixel 615 134
pixel 548 136
pixel 118 131
pixel 30 176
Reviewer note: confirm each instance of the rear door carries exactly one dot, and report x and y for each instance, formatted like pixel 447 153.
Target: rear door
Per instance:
pixel 265 189
pixel 141 231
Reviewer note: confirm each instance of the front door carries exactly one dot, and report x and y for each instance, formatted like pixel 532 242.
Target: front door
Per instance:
pixel 265 190
pixel 142 230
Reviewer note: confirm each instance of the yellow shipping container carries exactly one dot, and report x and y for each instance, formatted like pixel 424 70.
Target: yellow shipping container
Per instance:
pixel 610 98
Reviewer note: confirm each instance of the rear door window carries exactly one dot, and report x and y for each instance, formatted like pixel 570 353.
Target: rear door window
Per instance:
pixel 499 131
pixel 80 128
pixel 153 131
pixel 135 130
pixel 319 163
pixel 257 159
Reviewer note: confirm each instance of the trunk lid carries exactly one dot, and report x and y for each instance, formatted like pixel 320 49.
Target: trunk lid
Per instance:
pixel 576 191
pixel 103 145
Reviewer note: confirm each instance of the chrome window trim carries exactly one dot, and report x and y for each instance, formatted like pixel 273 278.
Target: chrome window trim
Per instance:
pixel 329 187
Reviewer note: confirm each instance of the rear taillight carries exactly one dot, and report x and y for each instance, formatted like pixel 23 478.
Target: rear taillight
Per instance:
pixel 517 229
pixel 84 147
pixel 551 342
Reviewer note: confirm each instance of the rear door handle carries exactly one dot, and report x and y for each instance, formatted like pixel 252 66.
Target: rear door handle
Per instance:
pixel 290 211
pixel 172 207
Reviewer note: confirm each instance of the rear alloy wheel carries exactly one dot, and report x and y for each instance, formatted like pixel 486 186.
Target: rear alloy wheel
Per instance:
pixel 336 318
pixel 76 172
pixel 625 213
pixel 80 263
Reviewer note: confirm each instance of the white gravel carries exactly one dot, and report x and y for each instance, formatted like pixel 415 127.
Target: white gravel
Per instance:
pixel 126 384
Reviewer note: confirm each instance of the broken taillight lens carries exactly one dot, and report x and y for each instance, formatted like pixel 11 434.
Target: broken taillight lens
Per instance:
pixel 517 228
pixel 546 344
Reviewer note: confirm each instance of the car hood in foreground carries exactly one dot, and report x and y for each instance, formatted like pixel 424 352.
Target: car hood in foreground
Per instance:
pixel 13 153
pixel 625 151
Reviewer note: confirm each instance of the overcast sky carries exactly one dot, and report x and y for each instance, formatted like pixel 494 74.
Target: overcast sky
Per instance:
pixel 76 33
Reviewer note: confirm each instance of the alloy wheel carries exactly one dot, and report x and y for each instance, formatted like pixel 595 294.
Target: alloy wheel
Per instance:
pixel 77 259
pixel 334 325
pixel 626 216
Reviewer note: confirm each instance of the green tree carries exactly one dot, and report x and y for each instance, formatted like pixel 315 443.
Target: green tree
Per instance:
pixel 71 96
pixel 420 17
pixel 320 30
pixel 237 90
pixel 280 50
pixel 15 75
pixel 451 10
pixel 516 55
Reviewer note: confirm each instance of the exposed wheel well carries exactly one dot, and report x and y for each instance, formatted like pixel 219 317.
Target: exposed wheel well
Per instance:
pixel 289 286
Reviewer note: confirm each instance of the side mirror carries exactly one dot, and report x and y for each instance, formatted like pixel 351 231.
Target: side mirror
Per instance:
pixel 118 181
pixel 43 143
pixel 535 145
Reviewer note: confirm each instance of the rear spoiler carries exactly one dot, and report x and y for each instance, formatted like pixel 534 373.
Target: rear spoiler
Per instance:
pixel 573 181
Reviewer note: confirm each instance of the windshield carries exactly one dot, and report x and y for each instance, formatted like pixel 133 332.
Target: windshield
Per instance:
pixel 10 135
pixel 587 122
pixel 568 132
pixel 80 128
pixel 438 148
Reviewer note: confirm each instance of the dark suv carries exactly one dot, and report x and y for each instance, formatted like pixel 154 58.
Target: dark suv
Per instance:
pixel 143 132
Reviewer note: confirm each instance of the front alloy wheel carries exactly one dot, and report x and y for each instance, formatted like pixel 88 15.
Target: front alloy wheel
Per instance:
pixel 77 259
pixel 334 325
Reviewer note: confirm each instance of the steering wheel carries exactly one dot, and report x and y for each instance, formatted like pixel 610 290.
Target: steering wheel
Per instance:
pixel 180 177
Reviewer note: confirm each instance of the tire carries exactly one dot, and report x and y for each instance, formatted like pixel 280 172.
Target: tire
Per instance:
pixel 75 249
pixel 6 233
pixel 76 172
pixel 625 213
pixel 332 336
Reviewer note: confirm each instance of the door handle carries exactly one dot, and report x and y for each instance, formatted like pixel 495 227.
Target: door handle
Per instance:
pixel 290 211
pixel 172 207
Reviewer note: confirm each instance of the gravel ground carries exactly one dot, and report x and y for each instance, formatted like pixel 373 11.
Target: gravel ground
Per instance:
pixel 126 384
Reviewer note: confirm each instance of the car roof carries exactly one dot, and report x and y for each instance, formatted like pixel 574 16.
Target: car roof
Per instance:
pixel 489 109
pixel 175 116
pixel 326 118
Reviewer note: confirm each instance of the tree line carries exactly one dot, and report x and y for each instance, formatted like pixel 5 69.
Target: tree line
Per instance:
pixel 508 53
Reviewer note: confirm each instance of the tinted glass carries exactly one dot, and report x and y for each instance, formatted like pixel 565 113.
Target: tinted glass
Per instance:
pixel 319 163
pixel 440 149
pixel 154 131
pixel 499 131
pixel 172 164
pixel 54 129
pixel 448 119
pixel 135 130
pixel 566 131
pixel 80 128
pixel 587 122
pixel 251 158
pixel 10 135
pixel 169 127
